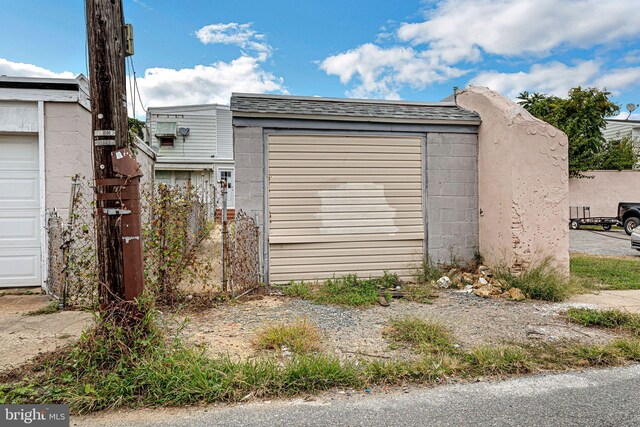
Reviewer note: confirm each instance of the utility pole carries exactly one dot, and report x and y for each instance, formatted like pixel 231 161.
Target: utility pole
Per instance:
pixel 116 172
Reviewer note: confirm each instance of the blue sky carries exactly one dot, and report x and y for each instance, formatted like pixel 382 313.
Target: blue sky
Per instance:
pixel 198 51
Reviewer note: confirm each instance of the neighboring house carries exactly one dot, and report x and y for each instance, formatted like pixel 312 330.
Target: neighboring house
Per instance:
pixel 618 128
pixel 339 186
pixel 193 143
pixel 45 139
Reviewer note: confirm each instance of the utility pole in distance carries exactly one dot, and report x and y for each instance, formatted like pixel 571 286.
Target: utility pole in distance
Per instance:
pixel 116 173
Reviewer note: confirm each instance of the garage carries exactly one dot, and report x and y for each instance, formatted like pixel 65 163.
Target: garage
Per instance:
pixel 19 211
pixel 342 186
pixel 344 204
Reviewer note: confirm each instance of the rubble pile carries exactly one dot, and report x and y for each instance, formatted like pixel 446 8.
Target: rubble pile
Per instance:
pixel 481 283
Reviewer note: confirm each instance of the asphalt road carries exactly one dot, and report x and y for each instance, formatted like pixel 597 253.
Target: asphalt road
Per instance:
pixel 613 242
pixel 592 398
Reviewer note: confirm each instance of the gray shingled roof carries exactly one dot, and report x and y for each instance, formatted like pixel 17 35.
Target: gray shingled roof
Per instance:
pixel 265 105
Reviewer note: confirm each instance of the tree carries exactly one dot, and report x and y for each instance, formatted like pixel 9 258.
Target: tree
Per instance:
pixel 618 154
pixel 137 127
pixel 581 116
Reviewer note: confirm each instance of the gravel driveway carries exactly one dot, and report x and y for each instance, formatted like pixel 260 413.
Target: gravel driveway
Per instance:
pixel 614 242
pixel 352 332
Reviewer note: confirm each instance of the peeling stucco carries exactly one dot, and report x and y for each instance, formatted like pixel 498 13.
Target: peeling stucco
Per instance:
pixel 523 183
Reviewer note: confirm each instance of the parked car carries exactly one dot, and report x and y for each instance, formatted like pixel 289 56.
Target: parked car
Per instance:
pixel 629 215
pixel 635 238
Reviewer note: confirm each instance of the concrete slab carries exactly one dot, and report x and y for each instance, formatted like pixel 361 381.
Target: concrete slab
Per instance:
pixel 628 300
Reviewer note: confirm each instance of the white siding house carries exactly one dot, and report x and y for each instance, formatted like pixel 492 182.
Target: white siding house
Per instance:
pixel 193 143
pixel 618 128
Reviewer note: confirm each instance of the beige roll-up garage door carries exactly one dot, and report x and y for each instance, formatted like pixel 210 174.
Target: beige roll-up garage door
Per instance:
pixel 344 204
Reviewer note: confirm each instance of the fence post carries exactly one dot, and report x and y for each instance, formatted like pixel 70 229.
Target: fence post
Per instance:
pixel 225 234
pixel 75 183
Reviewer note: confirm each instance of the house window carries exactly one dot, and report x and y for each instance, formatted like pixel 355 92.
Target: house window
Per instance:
pixel 166 141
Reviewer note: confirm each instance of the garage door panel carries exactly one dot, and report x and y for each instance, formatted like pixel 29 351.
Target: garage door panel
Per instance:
pixel 19 228
pixel 19 153
pixel 370 244
pixel 408 274
pixel 344 223
pixel 340 170
pixel 297 149
pixel 386 214
pixel 304 141
pixel 324 185
pixel 318 156
pixel 344 208
pixel 358 191
pixel 338 178
pixel 19 190
pixel 19 267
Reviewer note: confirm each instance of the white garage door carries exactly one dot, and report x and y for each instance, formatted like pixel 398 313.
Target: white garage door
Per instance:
pixel 342 204
pixel 19 212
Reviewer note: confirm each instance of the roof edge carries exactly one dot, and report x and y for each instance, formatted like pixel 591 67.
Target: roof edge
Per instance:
pixel 352 100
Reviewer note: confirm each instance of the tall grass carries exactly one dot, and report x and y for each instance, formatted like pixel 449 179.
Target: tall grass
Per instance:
pixel 541 281
pixel 300 337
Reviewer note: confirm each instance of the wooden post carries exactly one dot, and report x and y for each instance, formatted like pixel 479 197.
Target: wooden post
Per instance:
pixel 117 193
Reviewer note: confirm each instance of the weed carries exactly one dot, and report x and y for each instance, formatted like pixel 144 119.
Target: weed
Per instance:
pixel 427 272
pixel 630 349
pixel 421 335
pixel 300 289
pixel 605 318
pixel 50 308
pixel 541 281
pixel 300 337
pixel 419 292
pixel 598 355
pixel 345 290
pixel 500 360
pixel 606 272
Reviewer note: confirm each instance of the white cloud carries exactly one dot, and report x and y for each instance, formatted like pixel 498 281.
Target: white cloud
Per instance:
pixel 381 72
pixel 456 32
pixel 214 83
pixel 204 84
pixel 461 29
pixel 556 78
pixel 21 69
pixel 232 33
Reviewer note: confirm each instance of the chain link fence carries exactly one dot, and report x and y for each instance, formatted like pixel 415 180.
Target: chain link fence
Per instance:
pixel 241 239
pixel 176 219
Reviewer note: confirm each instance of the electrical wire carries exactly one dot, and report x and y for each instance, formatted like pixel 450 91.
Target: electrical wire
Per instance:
pixel 135 84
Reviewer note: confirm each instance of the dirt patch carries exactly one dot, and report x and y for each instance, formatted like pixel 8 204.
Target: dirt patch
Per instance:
pixel 24 337
pixel 356 332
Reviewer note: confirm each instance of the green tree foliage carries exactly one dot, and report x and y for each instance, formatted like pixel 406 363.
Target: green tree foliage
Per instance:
pixel 137 127
pixel 618 154
pixel 582 117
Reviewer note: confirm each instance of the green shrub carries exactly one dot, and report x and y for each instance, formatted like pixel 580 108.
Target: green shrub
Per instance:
pixel 428 271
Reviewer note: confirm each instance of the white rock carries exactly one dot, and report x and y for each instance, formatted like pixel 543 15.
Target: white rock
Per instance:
pixel 483 281
pixel 444 282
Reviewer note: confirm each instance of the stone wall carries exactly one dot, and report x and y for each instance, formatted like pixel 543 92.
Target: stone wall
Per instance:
pixel 603 190
pixel 523 183
pixel 249 155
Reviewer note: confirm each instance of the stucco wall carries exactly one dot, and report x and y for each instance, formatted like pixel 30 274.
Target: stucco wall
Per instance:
pixel 67 151
pixel 603 190
pixel 523 183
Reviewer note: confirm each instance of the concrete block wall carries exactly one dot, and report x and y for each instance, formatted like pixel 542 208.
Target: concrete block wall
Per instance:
pixel 249 159
pixel 67 128
pixel 452 196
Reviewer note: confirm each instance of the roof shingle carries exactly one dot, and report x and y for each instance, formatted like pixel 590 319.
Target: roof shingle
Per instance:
pixel 331 107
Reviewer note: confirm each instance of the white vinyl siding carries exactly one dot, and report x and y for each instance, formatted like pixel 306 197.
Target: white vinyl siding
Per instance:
pixel 198 146
pixel 225 135
pixel 344 204
pixel 19 212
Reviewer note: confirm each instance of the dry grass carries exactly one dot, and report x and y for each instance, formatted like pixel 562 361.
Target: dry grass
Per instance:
pixel 299 337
